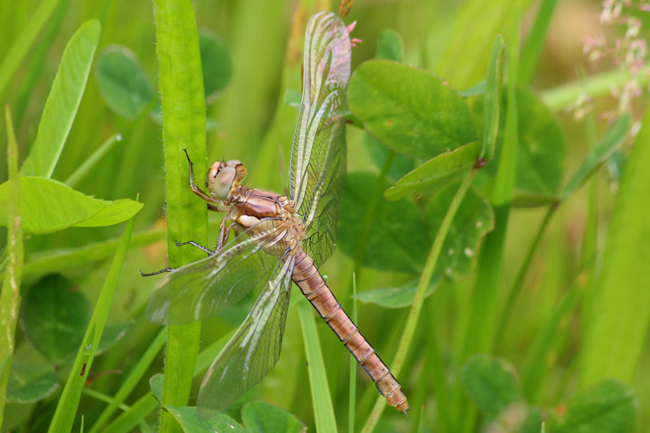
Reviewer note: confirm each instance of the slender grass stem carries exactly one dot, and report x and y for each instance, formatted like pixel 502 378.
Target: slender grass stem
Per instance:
pixel 437 370
pixel 425 279
pixel 97 156
pixel 370 213
pixel 130 382
pixel 518 284
pixel 353 362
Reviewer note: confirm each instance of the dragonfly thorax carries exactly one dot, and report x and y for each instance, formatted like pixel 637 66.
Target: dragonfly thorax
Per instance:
pixel 224 177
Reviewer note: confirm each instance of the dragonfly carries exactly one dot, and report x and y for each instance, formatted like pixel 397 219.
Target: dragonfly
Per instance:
pixel 282 238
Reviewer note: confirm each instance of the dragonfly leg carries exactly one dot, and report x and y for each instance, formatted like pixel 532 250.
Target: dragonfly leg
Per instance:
pixel 158 272
pixel 195 188
pixel 194 244
pixel 224 231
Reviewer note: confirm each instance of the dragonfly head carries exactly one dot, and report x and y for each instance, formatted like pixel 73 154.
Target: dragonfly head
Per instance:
pixel 224 178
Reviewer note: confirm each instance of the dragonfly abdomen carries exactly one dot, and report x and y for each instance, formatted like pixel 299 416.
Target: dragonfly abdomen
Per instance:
pixel 315 289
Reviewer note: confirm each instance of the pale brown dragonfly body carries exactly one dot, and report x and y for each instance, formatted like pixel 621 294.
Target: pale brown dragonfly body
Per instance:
pixel 280 239
pixel 273 219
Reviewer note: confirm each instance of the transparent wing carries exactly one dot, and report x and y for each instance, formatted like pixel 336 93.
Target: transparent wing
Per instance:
pixel 254 350
pixel 207 287
pixel 318 155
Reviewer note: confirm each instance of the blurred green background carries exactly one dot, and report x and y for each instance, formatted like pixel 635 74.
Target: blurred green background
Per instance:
pixel 451 38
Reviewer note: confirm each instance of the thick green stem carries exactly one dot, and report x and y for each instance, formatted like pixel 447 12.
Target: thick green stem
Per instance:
pixel 10 295
pixel 183 112
pixel 425 279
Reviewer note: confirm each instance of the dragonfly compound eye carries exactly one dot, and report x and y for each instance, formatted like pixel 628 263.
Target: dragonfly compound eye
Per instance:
pixel 223 182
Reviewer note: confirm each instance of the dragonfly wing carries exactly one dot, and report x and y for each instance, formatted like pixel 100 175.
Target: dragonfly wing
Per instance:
pixel 207 287
pixel 254 350
pixel 318 156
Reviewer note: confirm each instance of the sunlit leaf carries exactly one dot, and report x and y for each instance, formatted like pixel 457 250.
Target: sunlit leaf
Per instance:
pixel 395 242
pixel 54 317
pixel 396 297
pixel 435 172
pixel 491 384
pixel 261 417
pixel 473 220
pixel 122 82
pixel 112 213
pixel 63 101
pixel 49 206
pixel 409 110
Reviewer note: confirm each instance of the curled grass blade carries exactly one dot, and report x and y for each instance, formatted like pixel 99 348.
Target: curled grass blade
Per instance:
pixel 492 99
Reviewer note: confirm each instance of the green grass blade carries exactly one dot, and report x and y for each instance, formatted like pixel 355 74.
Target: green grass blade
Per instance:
pixel 63 101
pixel 90 163
pixel 20 48
pixel 425 279
pixel 533 46
pixel 183 111
pixel 10 296
pixel 320 391
pixel 69 401
pixel 617 325
pixel 132 417
pixel 130 382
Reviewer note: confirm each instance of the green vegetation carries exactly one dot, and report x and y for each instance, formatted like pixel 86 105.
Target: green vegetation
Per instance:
pixel 498 246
